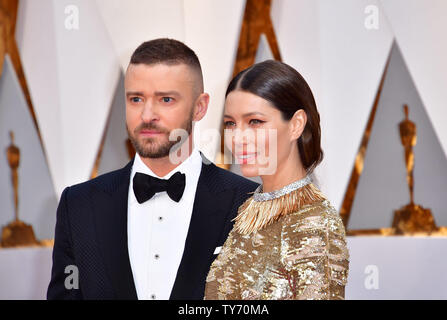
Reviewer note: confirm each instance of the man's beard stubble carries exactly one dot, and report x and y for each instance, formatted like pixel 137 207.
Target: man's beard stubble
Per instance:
pixel 150 147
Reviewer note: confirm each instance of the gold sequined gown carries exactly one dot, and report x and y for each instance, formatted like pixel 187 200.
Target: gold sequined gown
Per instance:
pixel 287 244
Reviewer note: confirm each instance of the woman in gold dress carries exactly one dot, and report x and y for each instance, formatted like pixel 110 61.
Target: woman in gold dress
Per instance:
pixel 288 241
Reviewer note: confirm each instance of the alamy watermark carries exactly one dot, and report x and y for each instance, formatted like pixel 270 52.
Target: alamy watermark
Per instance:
pixel 248 147
pixel 71 21
pixel 372 277
pixel 372 19
pixel 72 280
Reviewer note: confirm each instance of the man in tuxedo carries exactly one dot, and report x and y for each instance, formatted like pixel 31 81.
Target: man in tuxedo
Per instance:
pixel 151 229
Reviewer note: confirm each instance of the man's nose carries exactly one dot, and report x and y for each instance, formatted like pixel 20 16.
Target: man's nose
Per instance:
pixel 149 112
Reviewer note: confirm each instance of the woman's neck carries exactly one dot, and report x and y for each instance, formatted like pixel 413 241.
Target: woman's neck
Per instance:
pixel 286 173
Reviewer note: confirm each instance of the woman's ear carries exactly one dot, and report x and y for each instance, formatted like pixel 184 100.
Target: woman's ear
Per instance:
pixel 297 124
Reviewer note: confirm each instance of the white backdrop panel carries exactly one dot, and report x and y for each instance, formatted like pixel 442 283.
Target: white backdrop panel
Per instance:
pixel 212 31
pixel 36 39
pixel 57 60
pixel 353 58
pixel 420 31
pixel 132 22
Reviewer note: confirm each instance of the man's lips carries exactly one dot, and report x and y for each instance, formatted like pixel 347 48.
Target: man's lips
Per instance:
pixel 149 132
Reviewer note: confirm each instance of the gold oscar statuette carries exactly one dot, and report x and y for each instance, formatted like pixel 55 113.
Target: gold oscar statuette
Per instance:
pixel 17 233
pixel 411 218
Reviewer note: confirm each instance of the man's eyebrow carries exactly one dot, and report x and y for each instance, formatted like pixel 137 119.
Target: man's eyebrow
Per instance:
pixel 134 93
pixel 157 93
pixel 167 93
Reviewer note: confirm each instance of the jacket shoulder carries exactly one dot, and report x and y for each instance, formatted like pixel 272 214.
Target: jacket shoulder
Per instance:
pixel 227 179
pixel 107 182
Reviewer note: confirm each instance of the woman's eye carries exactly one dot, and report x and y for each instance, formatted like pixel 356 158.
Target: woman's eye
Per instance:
pixel 228 124
pixel 256 121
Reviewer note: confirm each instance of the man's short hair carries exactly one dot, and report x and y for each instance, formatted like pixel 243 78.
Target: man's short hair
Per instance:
pixel 169 52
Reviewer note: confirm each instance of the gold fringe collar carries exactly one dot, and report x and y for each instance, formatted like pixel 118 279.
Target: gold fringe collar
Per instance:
pixel 256 215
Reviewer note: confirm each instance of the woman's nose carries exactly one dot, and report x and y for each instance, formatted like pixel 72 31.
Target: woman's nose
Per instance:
pixel 244 140
pixel 243 136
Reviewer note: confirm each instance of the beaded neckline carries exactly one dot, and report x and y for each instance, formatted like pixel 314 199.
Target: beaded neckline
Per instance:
pixel 259 196
pixel 263 209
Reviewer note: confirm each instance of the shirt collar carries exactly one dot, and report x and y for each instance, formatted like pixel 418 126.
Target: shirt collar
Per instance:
pixel 191 167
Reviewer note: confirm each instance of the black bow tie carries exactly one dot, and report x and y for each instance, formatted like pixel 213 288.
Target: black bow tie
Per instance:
pixel 145 186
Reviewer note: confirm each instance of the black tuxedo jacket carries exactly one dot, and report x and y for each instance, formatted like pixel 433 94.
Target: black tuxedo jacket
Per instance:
pixel 91 234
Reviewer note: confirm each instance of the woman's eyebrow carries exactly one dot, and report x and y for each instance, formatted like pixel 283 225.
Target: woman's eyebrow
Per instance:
pixel 253 114
pixel 245 115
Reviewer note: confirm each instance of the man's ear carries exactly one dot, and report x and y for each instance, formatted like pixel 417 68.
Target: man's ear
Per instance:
pixel 297 124
pixel 201 106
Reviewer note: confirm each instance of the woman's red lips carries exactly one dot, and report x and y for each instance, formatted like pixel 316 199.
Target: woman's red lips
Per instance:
pixel 246 157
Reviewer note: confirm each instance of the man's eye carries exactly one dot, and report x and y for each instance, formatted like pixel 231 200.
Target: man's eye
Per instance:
pixel 167 99
pixel 135 99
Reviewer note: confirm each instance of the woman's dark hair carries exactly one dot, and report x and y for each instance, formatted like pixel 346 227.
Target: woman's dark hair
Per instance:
pixel 288 92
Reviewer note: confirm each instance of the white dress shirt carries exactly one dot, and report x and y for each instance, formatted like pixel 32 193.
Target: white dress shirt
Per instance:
pixel 157 230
